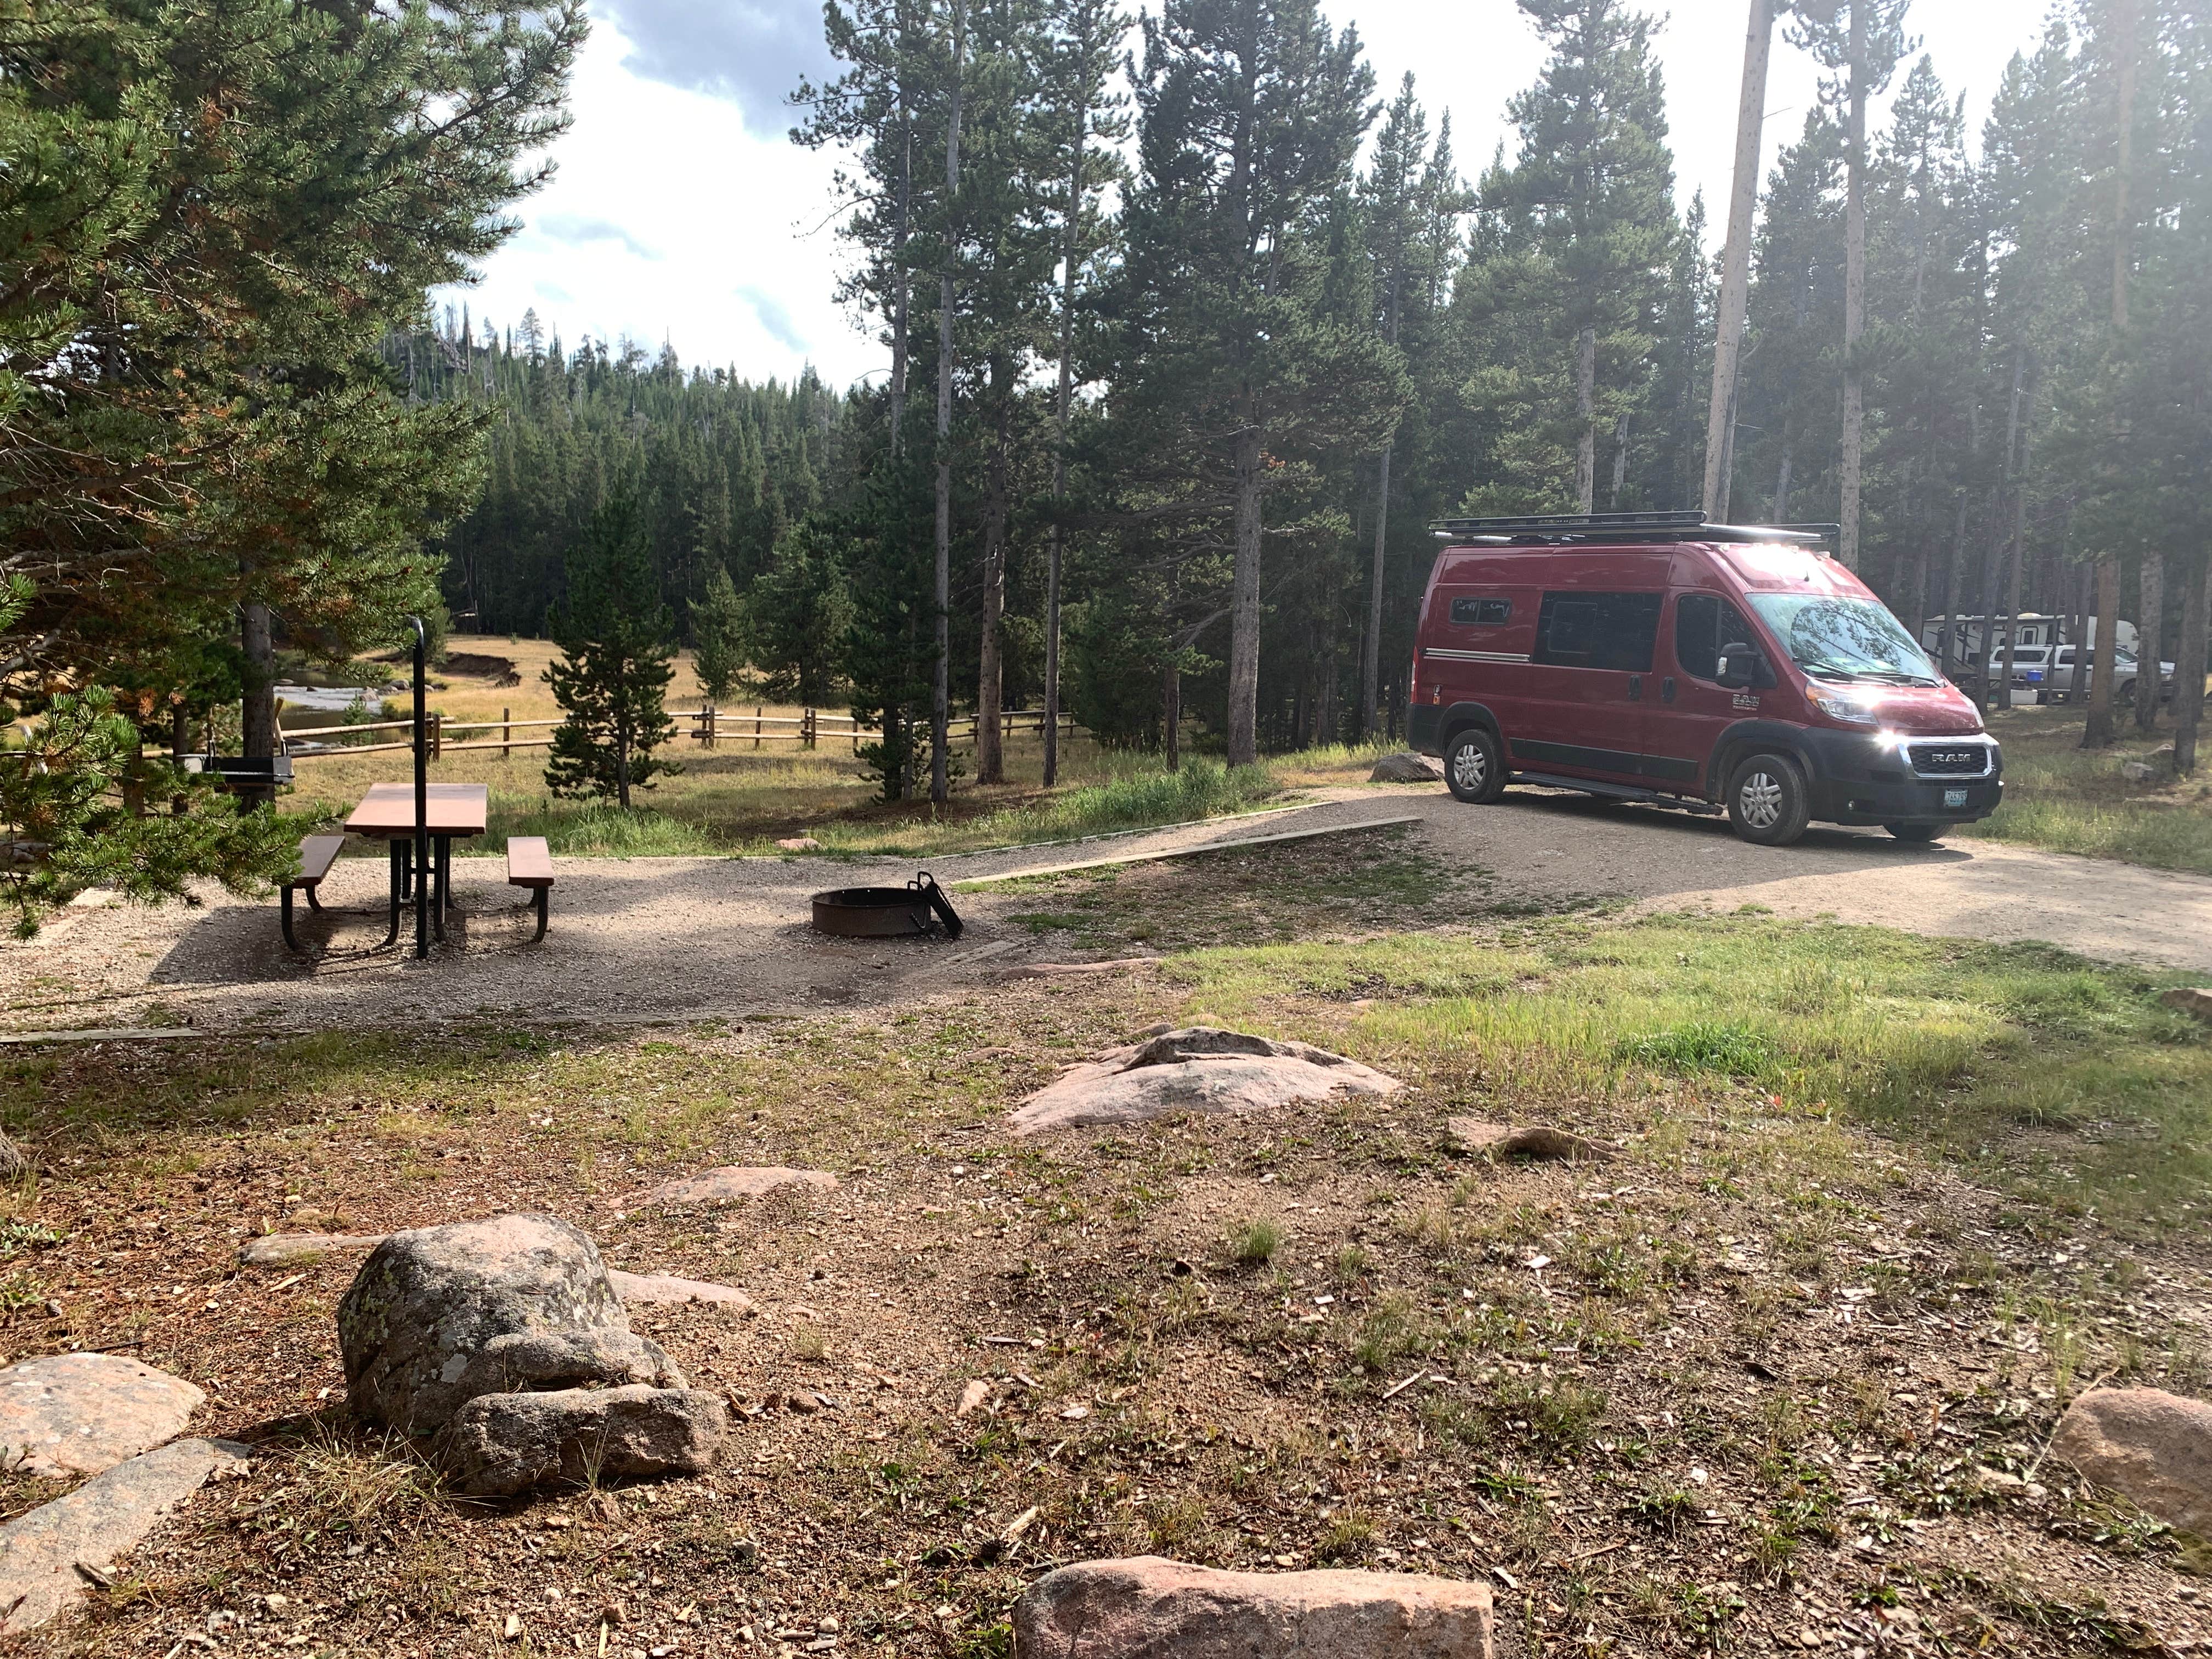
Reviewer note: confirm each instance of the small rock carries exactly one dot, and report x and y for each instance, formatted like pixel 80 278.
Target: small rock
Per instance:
pixel 296 1249
pixel 2154 1447
pixel 635 1288
pixel 804 1403
pixel 1198 1068
pixel 78 1413
pixel 1149 1605
pixel 2195 999
pixel 48 1556
pixel 512 1629
pixel 972 1397
pixel 1536 1140
pixel 733 1181
pixel 439 1315
pixel 499 1444
pixel 1407 767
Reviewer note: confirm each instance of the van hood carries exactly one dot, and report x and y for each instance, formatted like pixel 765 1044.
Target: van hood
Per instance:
pixel 1926 711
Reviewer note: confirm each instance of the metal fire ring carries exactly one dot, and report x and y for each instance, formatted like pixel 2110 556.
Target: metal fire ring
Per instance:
pixel 908 912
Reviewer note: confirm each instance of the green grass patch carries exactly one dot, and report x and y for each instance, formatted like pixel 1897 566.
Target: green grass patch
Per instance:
pixel 1134 799
pixel 2072 1075
pixel 2065 798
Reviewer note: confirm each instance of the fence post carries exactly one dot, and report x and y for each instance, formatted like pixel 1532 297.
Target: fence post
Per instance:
pixel 806 728
pixel 756 726
pixel 713 724
pixel 437 735
pixel 507 734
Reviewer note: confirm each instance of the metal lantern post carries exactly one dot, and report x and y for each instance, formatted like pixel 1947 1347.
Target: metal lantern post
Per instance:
pixel 422 802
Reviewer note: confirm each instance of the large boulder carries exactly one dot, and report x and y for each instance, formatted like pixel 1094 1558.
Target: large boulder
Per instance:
pixel 50 1556
pixel 499 1444
pixel 441 1315
pixel 1407 767
pixel 1198 1068
pixel 2154 1447
pixel 78 1413
pixel 1148 1608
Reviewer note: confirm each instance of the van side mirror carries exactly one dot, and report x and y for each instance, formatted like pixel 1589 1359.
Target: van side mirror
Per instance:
pixel 1739 667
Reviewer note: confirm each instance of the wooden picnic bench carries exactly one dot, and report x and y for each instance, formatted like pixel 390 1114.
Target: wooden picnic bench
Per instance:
pixel 316 854
pixel 529 864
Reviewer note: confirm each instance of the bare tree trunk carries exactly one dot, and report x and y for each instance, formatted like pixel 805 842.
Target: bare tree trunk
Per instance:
pixel 2188 664
pixel 1851 464
pixel 1370 647
pixel 941 704
pixel 902 286
pixel 1781 511
pixel 2148 645
pixel 1171 712
pixel 2097 729
pixel 1585 415
pixel 2017 470
pixel 1244 603
pixel 258 711
pixel 1619 462
pixel 990 748
pixel 1071 231
pixel 1735 260
pixel 1954 601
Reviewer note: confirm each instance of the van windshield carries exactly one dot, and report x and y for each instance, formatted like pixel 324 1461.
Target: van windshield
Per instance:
pixel 1838 639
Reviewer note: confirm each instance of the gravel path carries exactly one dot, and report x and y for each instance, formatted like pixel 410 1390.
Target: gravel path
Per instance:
pixel 692 937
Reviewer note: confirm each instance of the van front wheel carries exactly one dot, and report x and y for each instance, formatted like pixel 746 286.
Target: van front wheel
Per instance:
pixel 1474 771
pixel 1768 800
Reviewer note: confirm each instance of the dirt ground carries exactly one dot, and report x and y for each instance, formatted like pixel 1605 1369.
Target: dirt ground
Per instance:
pixel 690 938
pixel 1763 1382
pixel 1759 1384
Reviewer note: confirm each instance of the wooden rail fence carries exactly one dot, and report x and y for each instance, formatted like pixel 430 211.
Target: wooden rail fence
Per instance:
pixel 707 726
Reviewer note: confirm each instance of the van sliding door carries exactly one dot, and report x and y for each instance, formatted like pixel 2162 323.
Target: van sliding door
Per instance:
pixel 1589 685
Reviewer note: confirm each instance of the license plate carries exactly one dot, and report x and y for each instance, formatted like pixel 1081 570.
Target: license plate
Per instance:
pixel 1954 797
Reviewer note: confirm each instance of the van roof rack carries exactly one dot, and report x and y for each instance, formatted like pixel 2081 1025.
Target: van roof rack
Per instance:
pixel 1585 529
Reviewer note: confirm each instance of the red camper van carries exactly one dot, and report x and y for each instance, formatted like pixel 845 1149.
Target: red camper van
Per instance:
pixel 1655 657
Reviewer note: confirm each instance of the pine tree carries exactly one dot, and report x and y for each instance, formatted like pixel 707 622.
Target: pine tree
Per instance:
pixel 1859 42
pixel 1582 236
pixel 616 663
pixel 800 611
pixel 1250 113
pixel 719 633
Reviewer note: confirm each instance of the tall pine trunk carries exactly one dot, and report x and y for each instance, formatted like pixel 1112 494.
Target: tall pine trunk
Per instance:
pixel 2148 644
pixel 901 283
pixel 1586 420
pixel 990 747
pixel 1851 461
pixel 1370 647
pixel 1071 231
pixel 2189 663
pixel 258 716
pixel 2097 729
pixel 1244 594
pixel 940 701
pixel 1735 260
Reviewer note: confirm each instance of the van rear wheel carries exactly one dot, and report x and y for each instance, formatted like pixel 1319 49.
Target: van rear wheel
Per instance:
pixel 1768 801
pixel 1474 771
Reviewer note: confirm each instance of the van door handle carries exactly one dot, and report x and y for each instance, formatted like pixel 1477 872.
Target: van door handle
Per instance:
pixel 1666 690
pixel 1636 688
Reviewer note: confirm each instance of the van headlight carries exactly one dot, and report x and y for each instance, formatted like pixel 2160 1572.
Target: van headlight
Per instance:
pixel 1847 707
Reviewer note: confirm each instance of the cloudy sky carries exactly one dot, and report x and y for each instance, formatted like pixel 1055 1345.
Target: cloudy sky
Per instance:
pixel 683 212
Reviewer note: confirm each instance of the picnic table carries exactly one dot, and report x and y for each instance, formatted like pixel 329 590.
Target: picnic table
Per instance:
pixel 387 812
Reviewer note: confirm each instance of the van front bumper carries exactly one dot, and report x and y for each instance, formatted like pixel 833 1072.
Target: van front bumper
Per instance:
pixel 1865 778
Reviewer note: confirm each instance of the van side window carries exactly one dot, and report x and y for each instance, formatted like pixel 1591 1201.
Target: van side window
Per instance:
pixel 1597 630
pixel 1482 613
pixel 1704 623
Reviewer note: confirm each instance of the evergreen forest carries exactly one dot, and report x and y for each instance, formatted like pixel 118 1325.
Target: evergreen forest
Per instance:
pixel 1192 329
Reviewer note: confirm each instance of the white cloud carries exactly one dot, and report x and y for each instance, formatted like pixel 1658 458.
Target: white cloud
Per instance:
pixel 682 212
